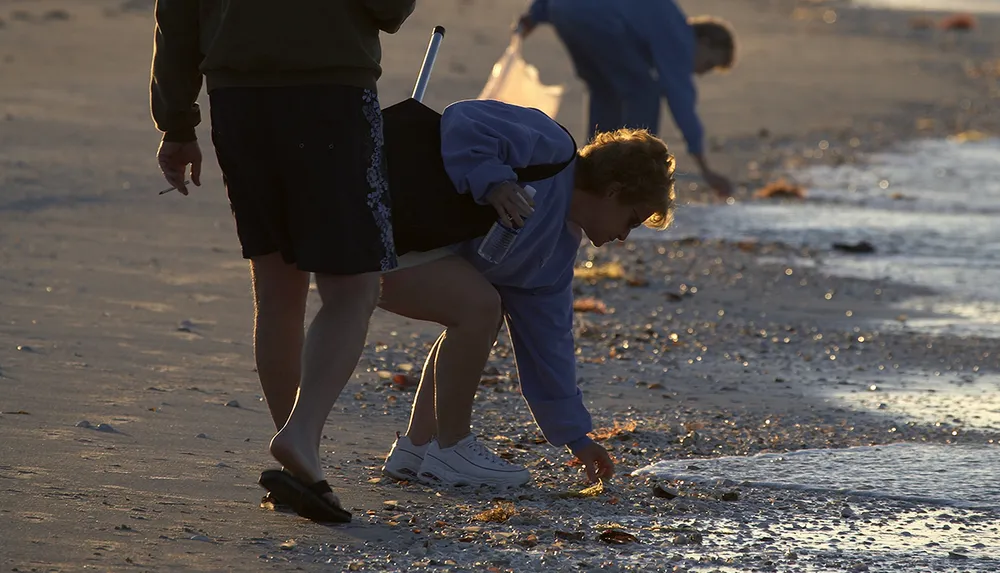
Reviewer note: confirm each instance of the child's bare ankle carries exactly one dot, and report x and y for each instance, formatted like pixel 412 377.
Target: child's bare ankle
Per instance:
pixel 419 439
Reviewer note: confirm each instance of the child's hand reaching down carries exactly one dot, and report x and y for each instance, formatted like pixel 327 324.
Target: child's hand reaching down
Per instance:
pixel 597 462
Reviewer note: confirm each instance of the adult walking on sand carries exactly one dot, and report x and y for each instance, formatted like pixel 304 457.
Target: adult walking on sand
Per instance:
pixel 632 53
pixel 297 130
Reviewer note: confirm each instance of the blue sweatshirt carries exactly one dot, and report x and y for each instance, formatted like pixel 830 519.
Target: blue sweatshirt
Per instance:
pixel 659 28
pixel 481 142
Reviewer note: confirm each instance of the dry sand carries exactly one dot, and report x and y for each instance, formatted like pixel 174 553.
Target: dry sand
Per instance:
pixel 132 310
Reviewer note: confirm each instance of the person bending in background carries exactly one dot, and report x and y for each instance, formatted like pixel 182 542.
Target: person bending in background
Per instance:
pixel 630 53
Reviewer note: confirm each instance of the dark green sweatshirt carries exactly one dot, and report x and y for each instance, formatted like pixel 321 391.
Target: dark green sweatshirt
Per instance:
pixel 262 43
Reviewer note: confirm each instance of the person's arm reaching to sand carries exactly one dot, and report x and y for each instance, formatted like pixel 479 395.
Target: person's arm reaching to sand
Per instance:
pixel 672 45
pixel 390 14
pixel 541 329
pixel 175 82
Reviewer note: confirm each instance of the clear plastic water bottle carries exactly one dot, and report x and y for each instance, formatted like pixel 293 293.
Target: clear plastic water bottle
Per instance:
pixel 500 239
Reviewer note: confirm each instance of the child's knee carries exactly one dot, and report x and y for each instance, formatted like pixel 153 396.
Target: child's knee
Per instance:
pixel 482 310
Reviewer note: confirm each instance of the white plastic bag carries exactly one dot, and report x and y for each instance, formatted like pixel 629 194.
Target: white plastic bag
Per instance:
pixel 515 81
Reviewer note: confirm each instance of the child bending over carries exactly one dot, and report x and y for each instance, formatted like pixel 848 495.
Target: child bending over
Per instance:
pixel 619 181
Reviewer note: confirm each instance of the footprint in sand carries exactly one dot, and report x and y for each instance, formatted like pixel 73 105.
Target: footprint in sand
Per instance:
pixel 106 428
pixel 130 6
pixel 56 16
pixel 136 6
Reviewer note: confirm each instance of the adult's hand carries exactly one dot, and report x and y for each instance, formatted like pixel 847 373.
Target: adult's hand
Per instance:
pixel 525 25
pixel 174 159
pixel 720 184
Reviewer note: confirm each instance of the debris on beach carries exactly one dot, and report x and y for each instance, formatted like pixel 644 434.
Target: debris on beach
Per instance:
pixel 56 14
pixel 589 304
pixel 781 189
pixel 500 513
pixel 665 492
pixel 960 22
pixel 614 271
pixel 971 135
pixel 861 247
pixel 616 536
pixel 636 281
pixel 405 381
pixel 106 428
pixel 619 431
pixel 591 272
pixel 591 491
pixel 986 69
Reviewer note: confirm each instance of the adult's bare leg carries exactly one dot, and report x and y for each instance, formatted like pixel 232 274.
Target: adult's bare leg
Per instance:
pixel 333 345
pixel 279 296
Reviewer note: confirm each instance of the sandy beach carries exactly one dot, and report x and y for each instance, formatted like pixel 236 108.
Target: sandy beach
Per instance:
pixel 132 420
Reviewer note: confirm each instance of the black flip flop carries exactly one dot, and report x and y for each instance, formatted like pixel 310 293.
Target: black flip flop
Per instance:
pixel 306 500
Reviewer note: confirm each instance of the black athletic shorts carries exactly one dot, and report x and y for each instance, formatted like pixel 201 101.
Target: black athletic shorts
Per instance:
pixel 305 172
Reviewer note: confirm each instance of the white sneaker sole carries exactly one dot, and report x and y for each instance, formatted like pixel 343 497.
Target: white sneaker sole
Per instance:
pixel 436 473
pixel 401 471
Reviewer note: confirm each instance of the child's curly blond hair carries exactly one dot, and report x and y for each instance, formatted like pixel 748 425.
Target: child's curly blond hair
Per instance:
pixel 639 162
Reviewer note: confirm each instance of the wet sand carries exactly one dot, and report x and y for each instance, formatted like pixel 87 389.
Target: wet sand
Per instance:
pixel 124 308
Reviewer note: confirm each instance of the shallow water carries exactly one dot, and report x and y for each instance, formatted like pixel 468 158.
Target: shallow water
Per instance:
pixel 930 208
pixel 887 508
pixel 962 402
pixel 901 507
pixel 981 6
pixel 932 211
pixel 943 475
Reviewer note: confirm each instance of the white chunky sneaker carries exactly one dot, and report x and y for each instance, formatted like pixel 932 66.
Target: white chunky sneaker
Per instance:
pixel 404 459
pixel 469 463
